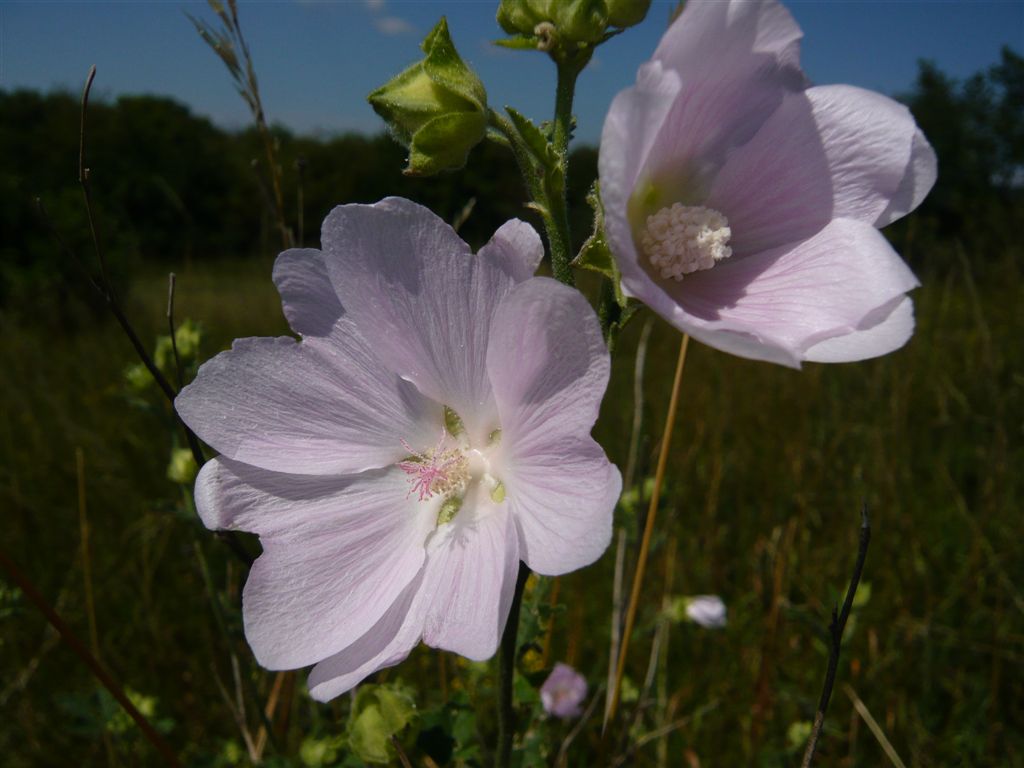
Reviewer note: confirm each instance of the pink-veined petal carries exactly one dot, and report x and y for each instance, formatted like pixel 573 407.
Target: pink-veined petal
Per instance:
pixel 786 300
pixel 549 368
pixel 458 602
pixel 633 122
pixel 882 338
pixel 337 551
pixel 830 152
pixel 386 643
pixel 515 249
pixel 422 299
pixel 307 296
pixel 322 406
pixel 710 32
pixel 736 61
pixel 469 581
pixel 918 180
pixel 563 494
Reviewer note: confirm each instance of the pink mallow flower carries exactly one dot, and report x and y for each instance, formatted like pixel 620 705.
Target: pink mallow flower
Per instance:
pixel 429 431
pixel 743 205
pixel 562 694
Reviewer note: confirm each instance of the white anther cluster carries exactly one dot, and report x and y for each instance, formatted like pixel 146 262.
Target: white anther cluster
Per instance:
pixel 684 239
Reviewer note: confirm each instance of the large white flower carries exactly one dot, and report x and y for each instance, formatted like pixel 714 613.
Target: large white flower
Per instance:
pixel 429 431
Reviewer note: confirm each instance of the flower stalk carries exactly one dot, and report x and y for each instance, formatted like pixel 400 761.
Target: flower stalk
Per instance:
pixel 559 237
pixel 506 674
pixel 645 543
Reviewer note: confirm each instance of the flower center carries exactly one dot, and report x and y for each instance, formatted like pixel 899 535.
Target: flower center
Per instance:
pixel 684 239
pixel 452 469
pixel 438 471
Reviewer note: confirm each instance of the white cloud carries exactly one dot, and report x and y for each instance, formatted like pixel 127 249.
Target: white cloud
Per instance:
pixel 392 26
pixel 375 6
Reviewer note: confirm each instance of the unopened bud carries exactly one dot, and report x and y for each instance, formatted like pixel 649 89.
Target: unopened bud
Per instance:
pixel 566 23
pixel 627 13
pixel 437 107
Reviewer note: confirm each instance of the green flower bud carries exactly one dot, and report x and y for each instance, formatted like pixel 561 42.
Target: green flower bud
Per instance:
pixel 520 17
pixel 565 23
pixel 627 13
pixel 437 107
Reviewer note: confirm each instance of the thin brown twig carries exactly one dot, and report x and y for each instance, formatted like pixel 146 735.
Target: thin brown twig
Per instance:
pixel 97 669
pixel 106 286
pixel 835 630
pixel 236 716
pixel 652 511
pixel 400 752
pixel 876 730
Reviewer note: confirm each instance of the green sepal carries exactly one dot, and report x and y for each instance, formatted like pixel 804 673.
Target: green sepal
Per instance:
pixel 518 42
pixel 432 149
pixel 446 68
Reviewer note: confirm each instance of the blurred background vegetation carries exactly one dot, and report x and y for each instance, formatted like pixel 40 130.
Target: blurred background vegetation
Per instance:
pixel 766 478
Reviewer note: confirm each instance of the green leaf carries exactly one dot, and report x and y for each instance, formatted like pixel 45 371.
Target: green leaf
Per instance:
pixel 533 137
pixel 378 713
pixel 595 254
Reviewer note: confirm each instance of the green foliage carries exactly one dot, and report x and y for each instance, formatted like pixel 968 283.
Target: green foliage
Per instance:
pixel 977 130
pixel 379 713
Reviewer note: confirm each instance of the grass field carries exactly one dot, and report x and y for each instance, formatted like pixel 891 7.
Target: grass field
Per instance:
pixel 767 475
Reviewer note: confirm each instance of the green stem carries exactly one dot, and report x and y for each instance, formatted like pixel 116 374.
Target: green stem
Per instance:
pixel 506 674
pixel 559 236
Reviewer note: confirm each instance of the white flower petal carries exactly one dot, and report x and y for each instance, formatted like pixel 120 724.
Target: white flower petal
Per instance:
pixel 307 296
pixel 337 552
pixel 469 581
pixel 422 300
pixel 549 367
pixel 786 300
pixel 872 341
pixel 322 406
pixel 387 643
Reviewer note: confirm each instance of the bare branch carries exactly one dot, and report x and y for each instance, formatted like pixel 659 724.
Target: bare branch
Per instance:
pixel 835 630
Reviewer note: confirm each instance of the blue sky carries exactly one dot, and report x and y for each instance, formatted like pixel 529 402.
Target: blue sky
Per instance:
pixel 318 60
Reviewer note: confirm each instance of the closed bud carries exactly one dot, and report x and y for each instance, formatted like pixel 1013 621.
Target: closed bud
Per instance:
pixel 520 17
pixel 565 24
pixel 627 13
pixel 437 107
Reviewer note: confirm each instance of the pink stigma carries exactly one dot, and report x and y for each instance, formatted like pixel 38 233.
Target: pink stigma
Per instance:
pixel 436 471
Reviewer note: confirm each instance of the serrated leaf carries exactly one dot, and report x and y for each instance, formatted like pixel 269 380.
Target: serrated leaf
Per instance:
pixel 532 136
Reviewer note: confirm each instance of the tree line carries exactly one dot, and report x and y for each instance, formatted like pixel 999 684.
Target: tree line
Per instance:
pixel 170 187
